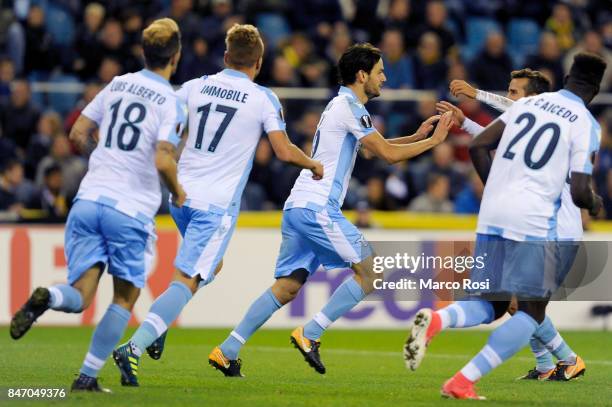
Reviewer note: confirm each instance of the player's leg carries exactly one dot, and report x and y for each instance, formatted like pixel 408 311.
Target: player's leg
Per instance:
pixel 337 243
pixel 523 269
pixel 481 308
pixel 86 255
pixel 225 356
pixel 205 239
pixel 294 264
pixel 108 332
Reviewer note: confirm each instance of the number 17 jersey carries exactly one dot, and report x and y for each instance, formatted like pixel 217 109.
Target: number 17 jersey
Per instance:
pixel 227 115
pixel 546 137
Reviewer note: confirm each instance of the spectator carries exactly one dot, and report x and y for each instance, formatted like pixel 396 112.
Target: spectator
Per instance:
pixel 15 192
pixel 217 24
pixel 429 65
pixel 19 117
pixel 435 199
pixel 109 68
pixel 49 126
pixel 443 162
pixel 195 62
pixel 560 23
pixel 398 67
pixel 190 23
pixel 90 92
pixel 491 64
pixel 435 21
pixel 87 44
pixel 468 200
pixel 114 46
pixel 261 179
pixel 316 17
pixel 592 42
pixel 400 17
pixel 39 52
pixel 340 41
pixel 7 75
pixel 51 199
pixel 549 58
pixel 8 149
pixel 73 168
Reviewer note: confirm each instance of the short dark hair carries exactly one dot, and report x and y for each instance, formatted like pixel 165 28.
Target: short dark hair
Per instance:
pixel 160 41
pixel 9 164
pixel 52 169
pixel 358 57
pixel 587 69
pixel 537 83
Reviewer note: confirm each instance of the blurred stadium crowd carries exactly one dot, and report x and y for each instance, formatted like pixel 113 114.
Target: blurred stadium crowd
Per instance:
pixel 426 44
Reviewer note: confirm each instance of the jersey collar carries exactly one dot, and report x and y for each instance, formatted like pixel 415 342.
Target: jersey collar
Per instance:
pixel 235 73
pixel 347 91
pixel 156 77
pixel 571 95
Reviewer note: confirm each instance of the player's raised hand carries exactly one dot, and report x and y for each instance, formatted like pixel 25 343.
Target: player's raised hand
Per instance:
pixel 458 116
pixel 459 87
pixel 426 127
pixel 179 198
pixel 444 125
pixel 317 170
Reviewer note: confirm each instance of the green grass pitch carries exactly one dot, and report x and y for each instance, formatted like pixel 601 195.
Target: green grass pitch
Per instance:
pixel 365 368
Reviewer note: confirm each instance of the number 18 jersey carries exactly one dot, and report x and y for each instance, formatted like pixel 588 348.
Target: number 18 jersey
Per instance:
pixel 133 113
pixel 546 137
pixel 227 115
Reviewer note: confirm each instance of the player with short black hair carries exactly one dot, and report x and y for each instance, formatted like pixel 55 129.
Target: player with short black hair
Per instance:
pixel 315 232
pixel 517 223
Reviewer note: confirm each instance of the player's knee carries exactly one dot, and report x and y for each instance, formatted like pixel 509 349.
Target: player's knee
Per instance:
pixel 126 298
pixel 286 289
pixel 535 309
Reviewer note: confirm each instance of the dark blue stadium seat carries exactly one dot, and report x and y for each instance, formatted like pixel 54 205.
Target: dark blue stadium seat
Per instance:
pixel 60 25
pixel 274 27
pixel 523 38
pixel 477 29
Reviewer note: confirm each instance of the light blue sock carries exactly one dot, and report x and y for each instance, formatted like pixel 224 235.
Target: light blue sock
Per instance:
pixel 554 342
pixel 544 359
pixel 504 341
pixel 108 332
pixel 466 313
pixel 163 312
pixel 65 298
pixel 342 301
pixel 260 311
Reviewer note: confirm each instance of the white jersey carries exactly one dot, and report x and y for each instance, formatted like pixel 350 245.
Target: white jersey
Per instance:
pixel 227 115
pixel 344 122
pixel 133 112
pixel 546 137
pixel 569 218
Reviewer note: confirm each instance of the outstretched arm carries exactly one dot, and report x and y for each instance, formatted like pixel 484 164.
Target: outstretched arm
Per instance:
pixel 288 152
pixel 393 153
pixel 501 103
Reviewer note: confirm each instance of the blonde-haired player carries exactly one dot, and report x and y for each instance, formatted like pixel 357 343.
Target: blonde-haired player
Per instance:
pixel 140 120
pixel 227 114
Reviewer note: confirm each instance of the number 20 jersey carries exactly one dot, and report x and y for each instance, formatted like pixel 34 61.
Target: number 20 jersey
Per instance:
pixel 546 137
pixel 133 113
pixel 227 115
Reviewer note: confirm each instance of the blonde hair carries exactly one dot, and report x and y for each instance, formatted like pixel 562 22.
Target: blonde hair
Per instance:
pixel 160 41
pixel 244 45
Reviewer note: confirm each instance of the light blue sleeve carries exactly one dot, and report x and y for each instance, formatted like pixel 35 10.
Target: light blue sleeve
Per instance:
pixel 272 112
pixel 95 109
pixel 358 121
pixel 584 146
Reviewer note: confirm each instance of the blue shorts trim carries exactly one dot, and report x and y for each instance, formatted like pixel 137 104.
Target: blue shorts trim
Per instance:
pixel 97 233
pixel 311 239
pixel 529 269
pixel 206 236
